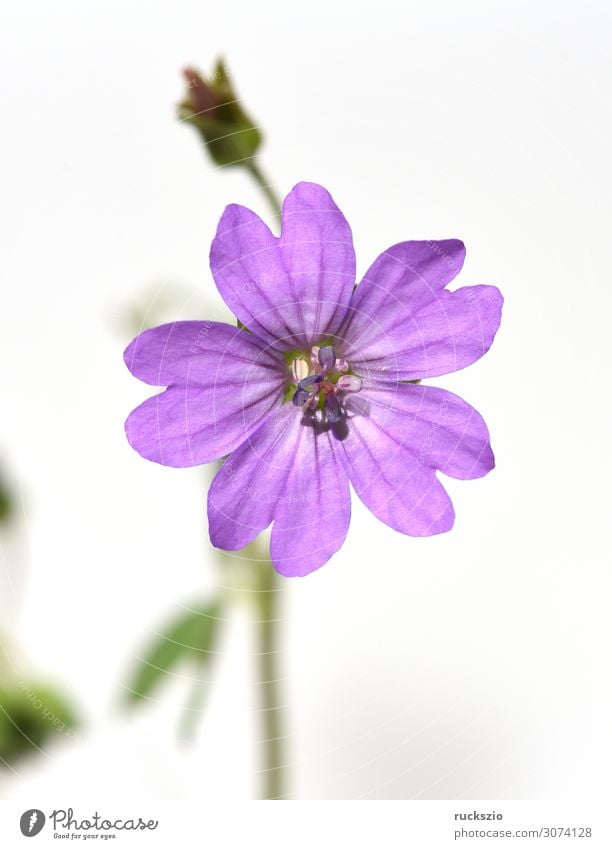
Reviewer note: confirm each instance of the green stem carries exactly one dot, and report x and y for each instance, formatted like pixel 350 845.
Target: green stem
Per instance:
pixel 271 708
pixel 264 184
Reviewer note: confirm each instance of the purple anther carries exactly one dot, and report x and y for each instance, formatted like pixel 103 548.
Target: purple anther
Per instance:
pixel 309 382
pixel 333 410
pixel 327 357
pixel 349 383
pixel 300 397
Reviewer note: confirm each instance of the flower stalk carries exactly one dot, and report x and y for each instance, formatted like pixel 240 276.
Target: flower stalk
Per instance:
pixel 274 768
pixel 254 169
pixel 273 761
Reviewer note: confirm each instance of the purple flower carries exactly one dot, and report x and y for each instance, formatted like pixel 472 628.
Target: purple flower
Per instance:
pixel 320 391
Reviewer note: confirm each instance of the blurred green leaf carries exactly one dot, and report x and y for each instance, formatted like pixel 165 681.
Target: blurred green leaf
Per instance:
pixel 31 715
pixel 188 638
pixel 6 503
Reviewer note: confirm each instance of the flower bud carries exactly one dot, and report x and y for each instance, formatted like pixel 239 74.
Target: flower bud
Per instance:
pixel 212 107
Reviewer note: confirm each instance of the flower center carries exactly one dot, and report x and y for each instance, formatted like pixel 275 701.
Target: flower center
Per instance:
pixel 322 383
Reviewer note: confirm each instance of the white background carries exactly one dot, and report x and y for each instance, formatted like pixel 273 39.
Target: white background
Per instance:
pixel 472 665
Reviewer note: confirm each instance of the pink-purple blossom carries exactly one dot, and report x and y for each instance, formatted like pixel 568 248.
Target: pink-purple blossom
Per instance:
pixel 318 394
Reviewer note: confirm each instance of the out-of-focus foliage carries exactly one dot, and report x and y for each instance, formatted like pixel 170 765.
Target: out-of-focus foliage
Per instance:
pixel 32 713
pixel 32 716
pixel 188 639
pixel 6 502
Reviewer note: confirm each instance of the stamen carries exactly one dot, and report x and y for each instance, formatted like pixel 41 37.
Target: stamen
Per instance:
pixel 299 369
pixel 327 357
pixel 300 397
pixel 310 381
pixel 307 390
pixel 333 410
pixel 323 388
pixel 349 383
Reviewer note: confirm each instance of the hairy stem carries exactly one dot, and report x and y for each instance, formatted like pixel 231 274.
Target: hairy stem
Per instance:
pixel 264 184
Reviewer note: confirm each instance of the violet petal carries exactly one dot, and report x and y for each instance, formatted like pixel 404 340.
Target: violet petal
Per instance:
pixel 449 333
pixel 293 475
pixel 394 452
pixel 222 384
pixel 293 290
